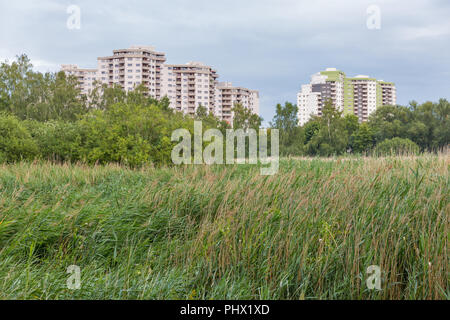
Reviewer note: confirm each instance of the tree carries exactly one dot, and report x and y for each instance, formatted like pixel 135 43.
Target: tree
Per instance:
pixel 442 131
pixel 286 117
pixel 245 119
pixel 390 121
pixel 363 139
pixel 430 129
pixel 331 138
pixel 16 142
pixel 351 123
pixel 312 127
pixel 33 95
pixel 201 112
pixel 292 137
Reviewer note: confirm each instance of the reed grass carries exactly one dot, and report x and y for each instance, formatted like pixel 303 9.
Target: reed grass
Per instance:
pixel 226 232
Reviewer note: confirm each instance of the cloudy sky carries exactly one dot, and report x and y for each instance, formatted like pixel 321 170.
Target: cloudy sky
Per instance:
pixel 270 45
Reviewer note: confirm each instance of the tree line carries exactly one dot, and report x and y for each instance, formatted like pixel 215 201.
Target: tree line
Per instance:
pixel 45 116
pixel 390 129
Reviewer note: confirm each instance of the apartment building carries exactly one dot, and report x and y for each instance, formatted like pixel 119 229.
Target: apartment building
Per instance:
pixel 186 85
pixel 388 93
pixel 360 95
pixel 310 102
pixel 132 67
pixel 364 93
pixel 189 85
pixel 227 96
pixel 86 77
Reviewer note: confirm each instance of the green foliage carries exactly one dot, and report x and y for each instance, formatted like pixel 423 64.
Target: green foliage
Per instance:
pixel 388 122
pixel 331 137
pixel 396 146
pixel 209 120
pixel 351 123
pixel 291 136
pixel 285 117
pixel 427 125
pixel 245 119
pixel 312 127
pixel 33 95
pixel 16 142
pixel 362 140
pixel 56 140
pixel 128 134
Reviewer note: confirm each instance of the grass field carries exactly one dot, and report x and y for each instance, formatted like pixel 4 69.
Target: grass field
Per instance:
pixel 226 232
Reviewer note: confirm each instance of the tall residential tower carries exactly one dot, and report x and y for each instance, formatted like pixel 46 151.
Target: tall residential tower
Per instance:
pixel 187 86
pixel 360 95
pixel 131 67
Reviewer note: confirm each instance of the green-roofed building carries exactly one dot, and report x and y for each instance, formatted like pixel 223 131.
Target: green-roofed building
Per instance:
pixel 360 95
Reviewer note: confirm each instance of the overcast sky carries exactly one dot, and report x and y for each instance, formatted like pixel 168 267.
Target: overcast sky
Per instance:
pixel 272 46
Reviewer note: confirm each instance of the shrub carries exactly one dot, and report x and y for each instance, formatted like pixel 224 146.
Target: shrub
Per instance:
pixel 57 140
pixel 16 142
pixel 396 146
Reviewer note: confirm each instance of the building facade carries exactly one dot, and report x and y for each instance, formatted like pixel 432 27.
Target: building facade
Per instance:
pixel 228 95
pixel 187 86
pixel 86 77
pixel 360 95
pixel 132 67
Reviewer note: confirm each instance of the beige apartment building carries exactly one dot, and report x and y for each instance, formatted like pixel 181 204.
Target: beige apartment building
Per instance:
pixel 189 85
pixel 186 85
pixel 228 95
pixel 86 77
pixel 388 92
pixel 132 67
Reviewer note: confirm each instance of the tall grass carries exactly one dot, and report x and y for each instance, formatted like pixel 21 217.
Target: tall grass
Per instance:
pixel 226 232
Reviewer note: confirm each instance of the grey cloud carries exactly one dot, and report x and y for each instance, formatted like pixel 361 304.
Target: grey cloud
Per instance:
pixel 270 45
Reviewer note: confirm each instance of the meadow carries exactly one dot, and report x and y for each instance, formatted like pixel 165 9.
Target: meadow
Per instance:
pixel 227 232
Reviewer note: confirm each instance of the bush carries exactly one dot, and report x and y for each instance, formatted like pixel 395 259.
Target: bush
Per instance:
pixel 128 134
pixel 57 140
pixel 396 146
pixel 16 142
